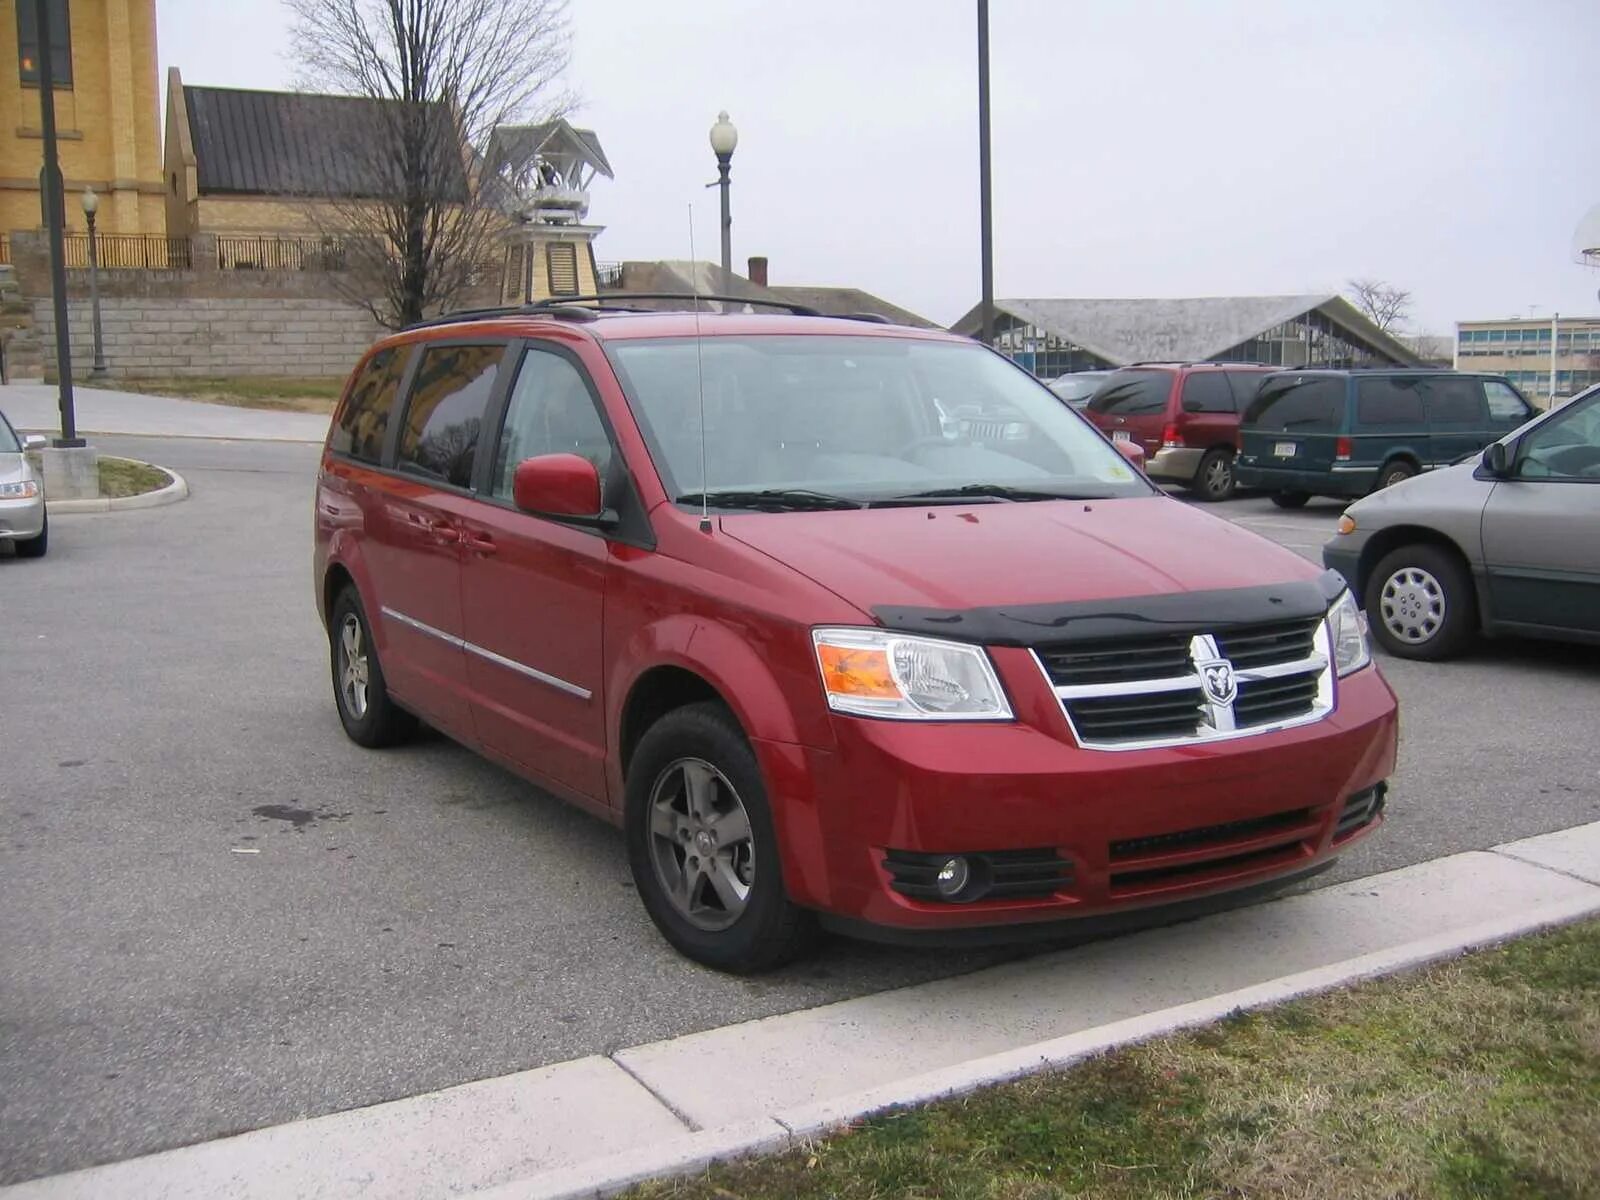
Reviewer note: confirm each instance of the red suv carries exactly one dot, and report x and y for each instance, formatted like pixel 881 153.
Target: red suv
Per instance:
pixel 836 620
pixel 1184 415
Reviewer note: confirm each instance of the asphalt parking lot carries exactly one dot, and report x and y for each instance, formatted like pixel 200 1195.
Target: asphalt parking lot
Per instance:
pixel 220 914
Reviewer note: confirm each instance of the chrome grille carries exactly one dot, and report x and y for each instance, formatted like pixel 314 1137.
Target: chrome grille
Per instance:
pixel 1135 694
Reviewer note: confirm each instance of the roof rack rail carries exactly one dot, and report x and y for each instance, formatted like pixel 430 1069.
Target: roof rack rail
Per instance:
pixel 872 317
pixel 590 308
pixel 799 310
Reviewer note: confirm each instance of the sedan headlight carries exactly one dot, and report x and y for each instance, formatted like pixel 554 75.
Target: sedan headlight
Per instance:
pixel 1347 630
pixel 875 673
pixel 25 489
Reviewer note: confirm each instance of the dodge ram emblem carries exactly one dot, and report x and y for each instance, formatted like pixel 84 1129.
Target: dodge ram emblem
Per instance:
pixel 1220 685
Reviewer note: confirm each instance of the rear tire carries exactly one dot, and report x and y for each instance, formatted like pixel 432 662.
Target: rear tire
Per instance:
pixel 1420 603
pixel 1213 480
pixel 35 547
pixel 1290 499
pixel 1393 473
pixel 703 848
pixel 370 717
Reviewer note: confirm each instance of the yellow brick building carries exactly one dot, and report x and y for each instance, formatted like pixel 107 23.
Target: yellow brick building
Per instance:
pixel 107 113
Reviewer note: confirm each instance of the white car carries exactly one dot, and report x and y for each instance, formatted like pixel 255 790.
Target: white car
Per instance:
pixel 22 516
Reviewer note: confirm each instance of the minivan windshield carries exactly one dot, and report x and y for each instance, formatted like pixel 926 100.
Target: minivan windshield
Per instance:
pixel 819 421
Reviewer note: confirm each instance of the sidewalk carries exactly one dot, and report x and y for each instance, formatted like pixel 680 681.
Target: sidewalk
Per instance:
pixel 593 1125
pixel 33 407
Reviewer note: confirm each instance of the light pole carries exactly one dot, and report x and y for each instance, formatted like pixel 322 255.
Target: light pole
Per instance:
pixel 724 137
pixel 985 206
pixel 91 205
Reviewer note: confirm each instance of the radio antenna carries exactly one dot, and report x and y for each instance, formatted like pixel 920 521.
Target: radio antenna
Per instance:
pixel 700 379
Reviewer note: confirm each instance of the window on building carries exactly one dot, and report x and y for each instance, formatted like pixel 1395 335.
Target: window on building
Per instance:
pixel 1497 335
pixel 364 420
pixel 561 259
pixel 448 399
pixel 60 43
pixel 1207 392
pixel 550 412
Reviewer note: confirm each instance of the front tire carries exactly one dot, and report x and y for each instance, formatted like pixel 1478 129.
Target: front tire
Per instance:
pixel 35 547
pixel 1393 473
pixel 1290 499
pixel 1420 603
pixel 370 717
pixel 1214 481
pixel 703 848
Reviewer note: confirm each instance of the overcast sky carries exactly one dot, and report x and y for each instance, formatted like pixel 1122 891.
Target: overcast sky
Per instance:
pixel 1140 148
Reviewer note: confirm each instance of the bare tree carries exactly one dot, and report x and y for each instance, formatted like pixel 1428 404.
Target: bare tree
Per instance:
pixel 1384 304
pixel 419 216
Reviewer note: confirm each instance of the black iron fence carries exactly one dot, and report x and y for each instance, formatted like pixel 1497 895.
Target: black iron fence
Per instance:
pixel 136 251
pixel 269 252
pixel 607 275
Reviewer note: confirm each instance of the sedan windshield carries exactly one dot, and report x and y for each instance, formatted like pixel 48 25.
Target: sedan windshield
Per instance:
pixel 825 420
pixel 8 440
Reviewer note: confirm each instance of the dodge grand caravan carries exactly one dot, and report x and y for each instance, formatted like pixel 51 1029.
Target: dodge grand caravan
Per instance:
pixel 746 586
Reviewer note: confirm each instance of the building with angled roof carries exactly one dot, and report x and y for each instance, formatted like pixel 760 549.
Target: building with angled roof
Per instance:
pixel 1056 337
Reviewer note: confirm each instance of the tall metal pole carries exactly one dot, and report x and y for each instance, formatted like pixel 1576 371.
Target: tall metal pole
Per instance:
pixel 723 161
pixel 56 220
pixel 98 371
pixel 1555 337
pixel 985 209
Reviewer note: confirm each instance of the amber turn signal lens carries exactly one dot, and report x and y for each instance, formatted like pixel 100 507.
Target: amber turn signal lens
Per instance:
pixel 1347 524
pixel 849 671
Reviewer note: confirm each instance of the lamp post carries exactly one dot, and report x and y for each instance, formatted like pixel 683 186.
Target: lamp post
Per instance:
pixel 91 205
pixel 985 205
pixel 724 137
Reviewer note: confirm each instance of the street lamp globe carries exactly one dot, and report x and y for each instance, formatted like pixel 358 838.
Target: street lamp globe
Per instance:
pixel 91 202
pixel 724 137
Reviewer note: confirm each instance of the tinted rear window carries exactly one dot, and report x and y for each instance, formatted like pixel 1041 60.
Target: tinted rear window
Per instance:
pixel 1454 401
pixel 1133 394
pixel 445 416
pixel 1389 401
pixel 1245 386
pixel 1207 391
pixel 364 420
pixel 1299 402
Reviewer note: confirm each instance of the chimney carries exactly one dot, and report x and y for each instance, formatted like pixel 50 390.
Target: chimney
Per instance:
pixel 758 270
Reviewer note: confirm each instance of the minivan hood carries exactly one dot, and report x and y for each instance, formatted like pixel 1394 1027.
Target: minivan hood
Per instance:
pixel 1037 552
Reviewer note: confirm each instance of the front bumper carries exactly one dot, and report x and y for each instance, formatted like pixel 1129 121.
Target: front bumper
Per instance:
pixel 1177 464
pixel 1138 828
pixel 21 520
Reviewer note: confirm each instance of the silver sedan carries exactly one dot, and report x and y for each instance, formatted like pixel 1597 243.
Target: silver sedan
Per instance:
pixel 1508 542
pixel 22 515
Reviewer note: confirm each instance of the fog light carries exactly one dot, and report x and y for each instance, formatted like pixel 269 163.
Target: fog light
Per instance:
pixel 952 878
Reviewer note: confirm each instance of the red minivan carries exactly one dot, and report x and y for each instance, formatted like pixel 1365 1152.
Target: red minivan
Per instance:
pixel 841 622
pixel 1185 416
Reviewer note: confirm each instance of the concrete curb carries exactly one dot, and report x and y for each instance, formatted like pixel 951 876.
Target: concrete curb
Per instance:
pixel 696 1152
pixel 175 491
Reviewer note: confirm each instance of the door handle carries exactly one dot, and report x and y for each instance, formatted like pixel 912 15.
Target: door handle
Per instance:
pixel 477 543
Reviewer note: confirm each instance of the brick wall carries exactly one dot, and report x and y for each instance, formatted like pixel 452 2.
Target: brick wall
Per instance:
pixel 212 336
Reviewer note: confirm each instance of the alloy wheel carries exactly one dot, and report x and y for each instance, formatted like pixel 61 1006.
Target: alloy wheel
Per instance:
pixel 700 843
pixel 1219 477
pixel 354 670
pixel 1412 605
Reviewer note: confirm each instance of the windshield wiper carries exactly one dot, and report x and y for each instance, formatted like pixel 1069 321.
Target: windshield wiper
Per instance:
pixel 772 499
pixel 998 491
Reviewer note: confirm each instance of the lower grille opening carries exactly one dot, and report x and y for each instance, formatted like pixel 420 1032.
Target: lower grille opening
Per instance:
pixel 990 874
pixel 1207 835
pixel 1360 810
pixel 1149 878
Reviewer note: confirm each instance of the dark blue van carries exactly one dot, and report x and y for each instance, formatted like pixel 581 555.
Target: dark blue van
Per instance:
pixel 1349 432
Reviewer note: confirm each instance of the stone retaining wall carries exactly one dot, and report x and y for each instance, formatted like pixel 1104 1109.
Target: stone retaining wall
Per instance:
pixel 212 337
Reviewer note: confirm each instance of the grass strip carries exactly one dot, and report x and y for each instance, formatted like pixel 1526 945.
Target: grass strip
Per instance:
pixel 1476 1078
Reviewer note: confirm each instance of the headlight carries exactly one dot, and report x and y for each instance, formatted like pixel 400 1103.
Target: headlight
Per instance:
pixel 1347 630
pixel 875 673
pixel 27 489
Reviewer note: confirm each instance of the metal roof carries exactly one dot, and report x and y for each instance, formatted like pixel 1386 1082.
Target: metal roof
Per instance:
pixel 290 143
pixel 515 143
pixel 1181 330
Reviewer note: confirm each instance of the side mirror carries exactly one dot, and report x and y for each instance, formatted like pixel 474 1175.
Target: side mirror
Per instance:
pixel 557 485
pixel 34 441
pixel 1495 463
pixel 1131 451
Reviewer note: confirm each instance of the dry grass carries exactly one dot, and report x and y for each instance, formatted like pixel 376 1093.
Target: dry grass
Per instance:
pixel 281 394
pixel 1479 1078
pixel 125 477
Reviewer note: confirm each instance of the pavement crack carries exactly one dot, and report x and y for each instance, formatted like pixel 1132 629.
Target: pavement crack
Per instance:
pixel 1543 866
pixel 693 1126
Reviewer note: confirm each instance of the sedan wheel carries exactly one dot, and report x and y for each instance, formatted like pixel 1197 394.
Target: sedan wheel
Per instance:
pixel 700 844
